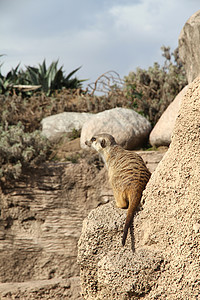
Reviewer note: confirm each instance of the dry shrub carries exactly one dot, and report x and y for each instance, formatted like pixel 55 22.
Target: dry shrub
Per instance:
pixel 152 90
pixel 19 150
pixel 31 110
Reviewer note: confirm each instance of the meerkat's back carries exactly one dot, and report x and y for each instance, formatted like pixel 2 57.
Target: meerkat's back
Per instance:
pixel 128 176
pixel 127 168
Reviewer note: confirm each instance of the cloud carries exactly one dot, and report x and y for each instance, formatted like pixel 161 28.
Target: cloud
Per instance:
pixel 147 19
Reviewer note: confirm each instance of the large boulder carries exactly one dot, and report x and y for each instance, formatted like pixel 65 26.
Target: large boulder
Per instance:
pixel 189 50
pixel 161 133
pixel 53 127
pixel 161 257
pixel 129 128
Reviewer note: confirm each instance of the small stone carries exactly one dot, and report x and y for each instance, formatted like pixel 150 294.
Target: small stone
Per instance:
pixel 196 227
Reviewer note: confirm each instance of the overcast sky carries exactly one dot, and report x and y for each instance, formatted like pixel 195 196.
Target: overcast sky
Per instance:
pixel 99 35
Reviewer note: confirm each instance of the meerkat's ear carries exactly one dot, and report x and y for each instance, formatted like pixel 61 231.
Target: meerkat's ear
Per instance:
pixel 103 143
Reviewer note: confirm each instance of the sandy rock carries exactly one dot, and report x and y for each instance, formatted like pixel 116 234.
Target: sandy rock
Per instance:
pixel 55 289
pixel 129 128
pixel 107 270
pixel 53 127
pixel 161 257
pixel 41 221
pixel 189 49
pixel 161 133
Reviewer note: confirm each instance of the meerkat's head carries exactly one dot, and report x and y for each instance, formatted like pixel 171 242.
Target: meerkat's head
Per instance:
pixel 101 142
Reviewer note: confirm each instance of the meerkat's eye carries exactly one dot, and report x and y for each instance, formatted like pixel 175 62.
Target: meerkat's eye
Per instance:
pixel 93 139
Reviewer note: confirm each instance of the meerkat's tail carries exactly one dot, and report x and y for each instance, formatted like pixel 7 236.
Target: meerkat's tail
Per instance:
pixel 134 200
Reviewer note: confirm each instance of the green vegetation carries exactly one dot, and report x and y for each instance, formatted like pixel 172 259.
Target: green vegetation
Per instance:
pixel 51 79
pixel 6 82
pixel 74 134
pixel 43 79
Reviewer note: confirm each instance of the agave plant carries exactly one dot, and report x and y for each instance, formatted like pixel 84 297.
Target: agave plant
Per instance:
pixel 51 78
pixel 6 82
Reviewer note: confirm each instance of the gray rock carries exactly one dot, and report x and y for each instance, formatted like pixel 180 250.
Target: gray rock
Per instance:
pixel 189 50
pixel 162 131
pixel 161 257
pixel 129 128
pixel 53 127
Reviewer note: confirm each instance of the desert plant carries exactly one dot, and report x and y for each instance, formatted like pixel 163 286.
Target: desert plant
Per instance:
pixel 7 82
pixel 49 79
pixel 151 91
pixel 19 150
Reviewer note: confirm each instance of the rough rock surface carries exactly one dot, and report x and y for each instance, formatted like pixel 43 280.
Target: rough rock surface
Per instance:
pixel 107 270
pixel 162 131
pixel 42 289
pixel 41 221
pixel 129 129
pixel 189 49
pixel 53 127
pixel 161 257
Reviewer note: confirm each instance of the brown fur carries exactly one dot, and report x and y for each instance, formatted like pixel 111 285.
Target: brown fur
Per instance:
pixel 127 172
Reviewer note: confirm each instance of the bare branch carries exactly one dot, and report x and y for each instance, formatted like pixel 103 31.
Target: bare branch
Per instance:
pixel 106 83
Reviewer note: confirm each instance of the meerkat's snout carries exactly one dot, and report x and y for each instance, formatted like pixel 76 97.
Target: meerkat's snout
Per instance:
pixel 88 143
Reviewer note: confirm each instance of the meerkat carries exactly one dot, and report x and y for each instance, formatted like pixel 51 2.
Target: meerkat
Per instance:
pixel 127 173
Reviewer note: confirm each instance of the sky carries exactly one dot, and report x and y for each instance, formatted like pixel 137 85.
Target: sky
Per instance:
pixel 98 35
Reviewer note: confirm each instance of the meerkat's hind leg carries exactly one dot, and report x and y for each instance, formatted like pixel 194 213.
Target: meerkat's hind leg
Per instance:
pixel 121 199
